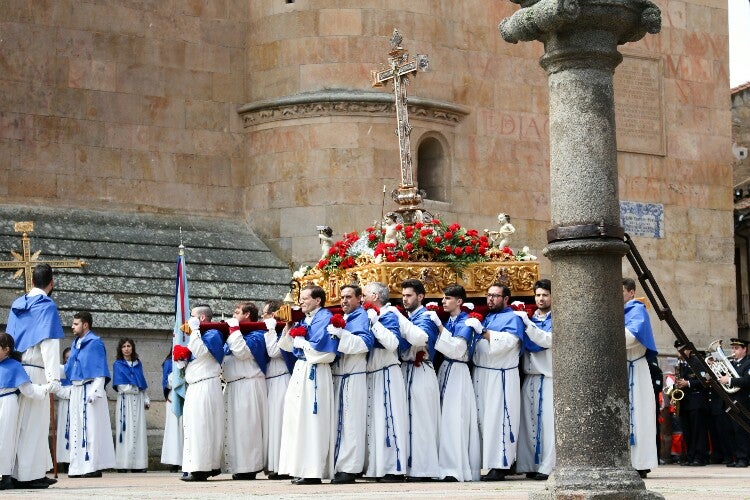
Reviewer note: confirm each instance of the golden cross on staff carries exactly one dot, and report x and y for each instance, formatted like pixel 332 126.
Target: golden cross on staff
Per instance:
pixel 25 261
pixel 400 67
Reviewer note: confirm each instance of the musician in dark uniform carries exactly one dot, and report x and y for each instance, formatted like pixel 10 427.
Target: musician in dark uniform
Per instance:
pixel 741 363
pixel 693 412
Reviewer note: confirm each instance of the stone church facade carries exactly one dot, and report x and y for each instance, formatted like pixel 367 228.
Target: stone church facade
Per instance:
pixel 247 124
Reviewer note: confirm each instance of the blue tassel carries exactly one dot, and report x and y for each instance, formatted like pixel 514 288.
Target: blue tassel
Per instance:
pixel 398 464
pixel 315 408
pixel 512 438
pixel 388 441
pixel 632 439
pixel 87 456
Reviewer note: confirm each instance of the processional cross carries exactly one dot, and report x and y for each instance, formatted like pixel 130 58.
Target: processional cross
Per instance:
pixel 400 67
pixel 25 261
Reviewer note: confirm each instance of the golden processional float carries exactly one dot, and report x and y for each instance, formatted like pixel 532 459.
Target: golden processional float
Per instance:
pixel 410 242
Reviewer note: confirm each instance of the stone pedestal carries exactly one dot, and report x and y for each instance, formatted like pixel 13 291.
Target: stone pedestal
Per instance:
pixel 585 242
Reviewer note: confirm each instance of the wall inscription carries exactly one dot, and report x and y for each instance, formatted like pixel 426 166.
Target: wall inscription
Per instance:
pixel 639 105
pixel 642 219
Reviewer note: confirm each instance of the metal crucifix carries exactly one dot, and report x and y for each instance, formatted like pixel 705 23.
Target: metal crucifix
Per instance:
pixel 25 261
pixel 399 70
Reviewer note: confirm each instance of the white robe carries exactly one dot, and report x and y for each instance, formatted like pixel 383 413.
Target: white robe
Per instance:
pixel 171 446
pixel 535 431
pixel 90 434
pixel 131 446
pixel 246 410
pixel 642 407
pixel 277 380
pixel 203 413
pixel 423 405
pixel 61 414
pixel 350 403
pixel 33 459
pixel 308 436
pixel 498 400
pixel 9 409
pixel 387 418
pixel 460 449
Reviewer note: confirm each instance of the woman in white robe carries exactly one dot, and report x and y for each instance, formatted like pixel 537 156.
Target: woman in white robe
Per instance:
pixel 131 445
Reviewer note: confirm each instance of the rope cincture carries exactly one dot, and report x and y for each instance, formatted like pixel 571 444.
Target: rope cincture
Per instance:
pixel 631 385
pixel 122 415
pixel 538 450
pixel 506 412
pixel 314 377
pixel 340 424
pixel 84 442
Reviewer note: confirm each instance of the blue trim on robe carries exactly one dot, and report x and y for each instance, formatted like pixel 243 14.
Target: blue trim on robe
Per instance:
pixel 87 361
pixel 357 323
pixel 289 358
pixel 12 374
pixel 214 342
pixel 506 321
pixel 638 323
pixel 543 324
pixel 32 320
pixel 420 318
pixel 317 335
pixel 390 321
pixel 124 374
pixel 256 342
pixel 458 328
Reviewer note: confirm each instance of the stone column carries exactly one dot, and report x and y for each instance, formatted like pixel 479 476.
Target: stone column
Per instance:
pixel 586 241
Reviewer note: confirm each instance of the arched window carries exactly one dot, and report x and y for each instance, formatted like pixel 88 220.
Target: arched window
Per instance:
pixel 432 169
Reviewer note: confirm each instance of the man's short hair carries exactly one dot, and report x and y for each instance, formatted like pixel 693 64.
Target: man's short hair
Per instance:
pixel 381 290
pixel 415 285
pixel 271 306
pixel 629 284
pixel 251 308
pixel 316 292
pixel 85 317
pixel 456 291
pixel 544 284
pixel 356 288
pixel 203 310
pixel 41 276
pixel 504 290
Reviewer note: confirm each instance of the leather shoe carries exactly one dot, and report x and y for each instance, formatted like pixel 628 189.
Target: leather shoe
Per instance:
pixel 214 472
pixel 741 463
pixel 643 473
pixel 174 468
pixel 530 475
pixel 391 478
pixel 6 483
pixel 343 478
pixel 195 477
pixel 307 480
pixel 96 473
pixel 36 484
pixel 697 463
pixel 138 471
pixel 419 479
pixel 244 476
pixel 450 479
pixel 274 476
pixel 47 480
pixel 732 464
pixel 541 477
pixel 495 475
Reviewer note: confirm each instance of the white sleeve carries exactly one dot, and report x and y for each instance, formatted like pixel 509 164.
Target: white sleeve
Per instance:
pixel 540 337
pixel 630 340
pixel 502 341
pixel 196 345
pixel 238 346
pixel 50 349
pixel 351 344
pixel 272 344
pixel 414 335
pixel 286 343
pixel 452 347
pixel 33 391
pixel 97 386
pixel 386 337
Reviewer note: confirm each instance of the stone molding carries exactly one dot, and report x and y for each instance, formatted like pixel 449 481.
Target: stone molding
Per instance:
pixel 339 102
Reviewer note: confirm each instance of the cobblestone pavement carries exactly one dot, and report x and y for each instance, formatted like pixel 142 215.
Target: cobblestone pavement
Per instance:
pixel 714 482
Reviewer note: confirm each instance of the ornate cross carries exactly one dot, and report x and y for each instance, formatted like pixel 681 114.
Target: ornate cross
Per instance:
pixel 25 261
pixel 399 70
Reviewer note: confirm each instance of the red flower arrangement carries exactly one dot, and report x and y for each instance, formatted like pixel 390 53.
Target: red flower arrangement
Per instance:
pixel 298 331
pixel 370 305
pixel 338 321
pixel 181 353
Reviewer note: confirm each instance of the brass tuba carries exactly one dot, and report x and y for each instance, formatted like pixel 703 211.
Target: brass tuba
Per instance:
pixel 720 364
pixel 673 392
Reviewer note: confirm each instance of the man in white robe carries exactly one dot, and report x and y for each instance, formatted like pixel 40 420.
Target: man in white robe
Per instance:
pixel 387 418
pixel 639 340
pixel 417 350
pixel 308 432
pixel 35 325
pixel 536 442
pixel 350 387
pixel 245 398
pixel 90 432
pixel 203 414
pixel 497 382
pixel 460 449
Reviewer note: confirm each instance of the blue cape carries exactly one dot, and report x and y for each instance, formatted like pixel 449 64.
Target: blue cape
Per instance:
pixel 88 361
pixel 543 324
pixel 123 374
pixel 639 324
pixel 506 321
pixel 458 328
pixel 166 369
pixel 423 321
pixel 215 344
pixel 33 319
pixel 357 323
pixel 317 335
pixel 256 342
pixel 12 374
pixel 289 358
pixel 390 321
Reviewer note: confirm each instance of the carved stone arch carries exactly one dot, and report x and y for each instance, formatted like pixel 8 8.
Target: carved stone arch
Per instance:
pixel 433 166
